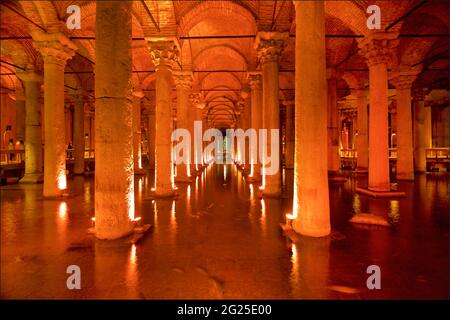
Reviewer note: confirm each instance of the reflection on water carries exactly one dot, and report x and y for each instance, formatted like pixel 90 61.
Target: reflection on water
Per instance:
pixel 218 241
pixel 394 212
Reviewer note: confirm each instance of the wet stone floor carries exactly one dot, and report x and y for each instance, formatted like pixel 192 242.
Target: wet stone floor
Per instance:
pixel 219 240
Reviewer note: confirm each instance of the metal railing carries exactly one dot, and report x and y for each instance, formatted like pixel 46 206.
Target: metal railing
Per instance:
pixel 12 156
pixel 437 153
pixel 88 154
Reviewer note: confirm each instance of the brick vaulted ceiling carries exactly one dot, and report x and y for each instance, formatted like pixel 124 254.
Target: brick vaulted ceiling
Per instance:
pixel 219 62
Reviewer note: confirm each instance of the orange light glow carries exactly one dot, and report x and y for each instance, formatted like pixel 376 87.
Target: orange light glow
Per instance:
pixel 62 211
pixel 291 216
pixel 62 180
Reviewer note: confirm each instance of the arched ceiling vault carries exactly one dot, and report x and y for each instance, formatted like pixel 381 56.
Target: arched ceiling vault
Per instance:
pixel 220 62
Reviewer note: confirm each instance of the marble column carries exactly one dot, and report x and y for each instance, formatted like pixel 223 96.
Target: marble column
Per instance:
pixel 311 203
pixel 254 79
pixel 405 152
pixel 137 156
pixel 78 133
pixel 377 49
pixel 114 175
pixel 420 134
pixel 183 83
pixel 270 46
pixel 290 133
pixel 33 139
pixel 20 114
pixel 362 162
pixel 333 125
pixel 164 53
pixel 55 49
pixel 151 136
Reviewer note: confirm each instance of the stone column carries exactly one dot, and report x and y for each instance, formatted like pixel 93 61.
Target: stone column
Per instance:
pixel 164 53
pixel 362 162
pixel 183 83
pixel 199 155
pixel 137 160
pixel 78 133
pixel 256 119
pixel 405 163
pixel 20 114
pixel 270 46
pixel 33 139
pixel 420 143
pixel 290 133
pixel 114 176
pixel 311 203
pixel 333 119
pixel 55 49
pixel 377 49
pixel 151 136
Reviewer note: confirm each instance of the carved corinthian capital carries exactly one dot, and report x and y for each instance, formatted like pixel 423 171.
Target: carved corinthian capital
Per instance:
pixel 270 45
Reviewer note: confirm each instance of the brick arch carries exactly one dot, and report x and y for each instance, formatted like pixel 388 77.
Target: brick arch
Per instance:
pixel 413 50
pixel 209 9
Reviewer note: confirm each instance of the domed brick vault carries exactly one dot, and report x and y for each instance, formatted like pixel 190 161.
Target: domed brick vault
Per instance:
pixel 120 83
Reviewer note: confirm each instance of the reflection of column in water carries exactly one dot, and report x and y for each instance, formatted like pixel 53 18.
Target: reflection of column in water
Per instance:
pixel 310 267
pixel 132 273
pixel 356 204
pixel 394 212
pixel 262 220
pixel 61 221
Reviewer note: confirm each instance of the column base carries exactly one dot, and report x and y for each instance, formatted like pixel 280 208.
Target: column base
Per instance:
pixel 183 179
pixel 162 195
pixel 380 194
pixel 294 236
pixel 32 178
pixel 133 237
pixel 336 177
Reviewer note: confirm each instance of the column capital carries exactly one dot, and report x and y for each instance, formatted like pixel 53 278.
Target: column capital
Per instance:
pixel 183 79
pixel 29 75
pixel 163 50
pixel 138 94
pixel 55 48
pixel 254 79
pixel 359 92
pixel 378 47
pixel 270 45
pixel 196 99
pixel 419 93
pixel 404 80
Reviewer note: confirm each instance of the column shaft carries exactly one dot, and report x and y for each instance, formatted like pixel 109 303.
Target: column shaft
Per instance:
pixel 405 164
pixel 33 137
pixel 420 161
pixel 151 137
pixel 362 139
pixel 55 49
pixel 137 160
pixel 183 82
pixel 256 119
pixel 290 135
pixel 78 135
pixel 270 46
pixel 311 202
pixel 114 176
pixel 333 126
pixel 378 48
